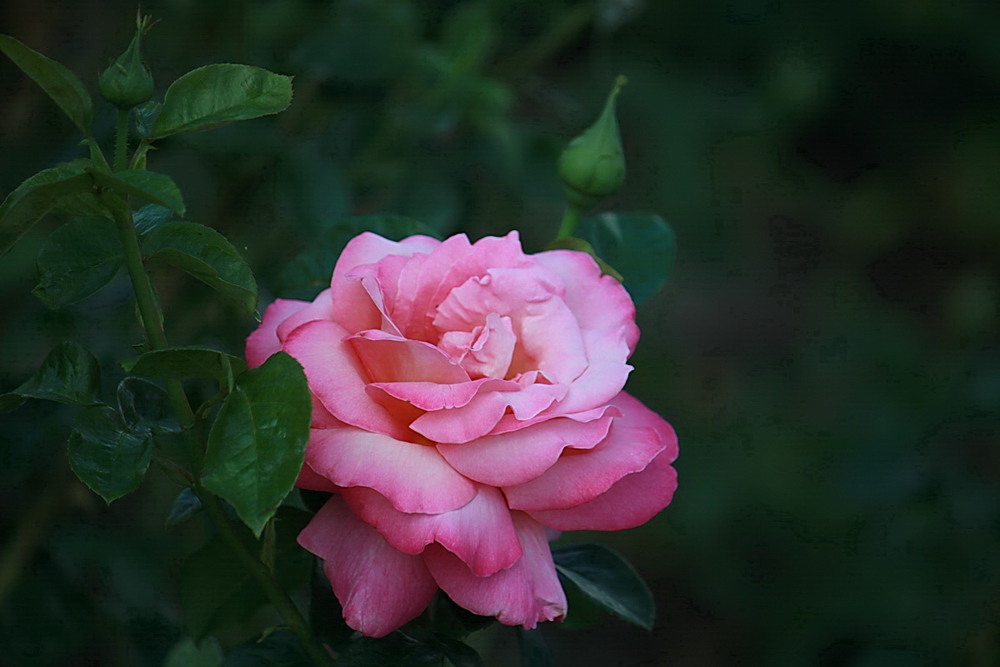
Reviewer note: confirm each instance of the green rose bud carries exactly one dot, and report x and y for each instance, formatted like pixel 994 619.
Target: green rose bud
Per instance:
pixel 127 81
pixel 593 166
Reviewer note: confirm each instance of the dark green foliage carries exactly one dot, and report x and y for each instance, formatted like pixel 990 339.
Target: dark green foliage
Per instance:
pixel 78 259
pixel 258 440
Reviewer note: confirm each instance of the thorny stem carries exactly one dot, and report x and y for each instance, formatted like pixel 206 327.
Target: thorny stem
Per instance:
pixel 121 140
pixel 152 322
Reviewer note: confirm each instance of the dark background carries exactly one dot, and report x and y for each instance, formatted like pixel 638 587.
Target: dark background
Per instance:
pixel 826 346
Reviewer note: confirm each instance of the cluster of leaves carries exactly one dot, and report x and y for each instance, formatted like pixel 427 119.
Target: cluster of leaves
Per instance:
pixel 244 444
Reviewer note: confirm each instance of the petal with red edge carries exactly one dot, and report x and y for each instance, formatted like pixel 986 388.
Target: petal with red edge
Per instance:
pixel 631 502
pixel 336 378
pixel 379 588
pixel 517 457
pixel 321 308
pixel 263 342
pixel 353 307
pixel 526 593
pixel 634 440
pixel 481 532
pixel 415 478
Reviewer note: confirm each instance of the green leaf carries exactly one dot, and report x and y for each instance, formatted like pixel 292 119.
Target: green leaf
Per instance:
pixel 641 247
pixel 149 185
pixel 40 194
pixel 186 653
pixel 145 114
pixel 215 94
pixel 532 648
pixel 257 444
pixel 395 650
pixel 151 216
pixel 144 405
pixel 217 592
pixel 107 456
pixel 609 580
pixel 185 363
pixel 70 374
pixel 205 254
pixel 186 505
pixel 59 83
pixel 77 260
pixel 305 275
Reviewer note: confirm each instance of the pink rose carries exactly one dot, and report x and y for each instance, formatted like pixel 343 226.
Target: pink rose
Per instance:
pixel 467 398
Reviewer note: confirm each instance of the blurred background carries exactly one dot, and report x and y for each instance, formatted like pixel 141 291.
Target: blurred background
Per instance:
pixel 826 347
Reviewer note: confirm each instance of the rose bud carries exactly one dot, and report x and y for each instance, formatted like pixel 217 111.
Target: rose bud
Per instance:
pixel 127 81
pixel 592 166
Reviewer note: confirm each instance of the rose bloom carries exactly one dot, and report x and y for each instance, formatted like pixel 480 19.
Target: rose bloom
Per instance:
pixel 467 404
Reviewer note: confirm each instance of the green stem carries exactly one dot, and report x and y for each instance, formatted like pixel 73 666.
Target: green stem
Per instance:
pixel 121 141
pixel 279 598
pixel 149 313
pixel 569 222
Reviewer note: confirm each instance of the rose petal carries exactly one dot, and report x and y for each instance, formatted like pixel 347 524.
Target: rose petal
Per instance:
pixel 263 342
pixel 313 481
pixel 321 308
pixel 415 478
pixel 520 456
pixel 471 421
pixel 389 358
pixel 524 594
pixel 336 378
pixel 600 303
pixel 548 335
pixel 379 587
pixel 633 441
pixel 480 532
pixel 450 265
pixel 353 307
pixel 433 396
pixel 631 501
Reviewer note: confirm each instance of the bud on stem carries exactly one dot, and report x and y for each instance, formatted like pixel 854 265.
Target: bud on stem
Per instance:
pixel 127 81
pixel 593 166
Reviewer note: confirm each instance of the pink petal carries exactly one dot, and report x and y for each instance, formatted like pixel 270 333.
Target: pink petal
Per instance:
pixel 634 440
pixel 379 587
pixel 353 306
pixel 547 332
pixel 389 358
pixel 486 350
pixel 263 342
pixel 526 593
pixel 336 378
pixel 433 396
pixel 517 457
pixel 480 533
pixel 313 481
pixel 415 478
pixel 321 308
pixel 600 383
pixel 600 302
pixel 631 502
pixel 511 423
pixel 471 421
pixel 450 265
